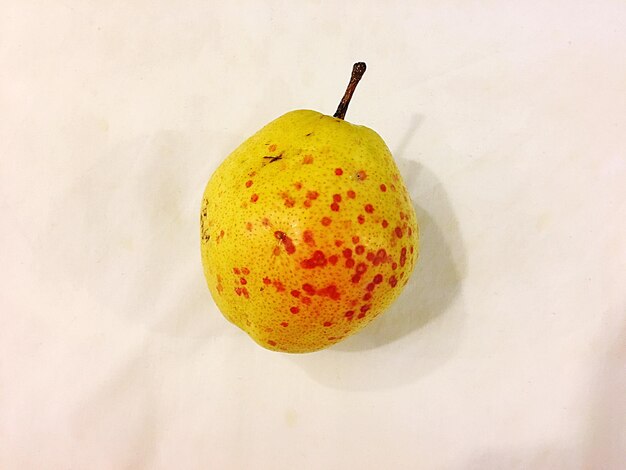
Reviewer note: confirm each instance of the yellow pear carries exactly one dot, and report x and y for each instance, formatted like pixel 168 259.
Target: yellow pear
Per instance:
pixel 307 230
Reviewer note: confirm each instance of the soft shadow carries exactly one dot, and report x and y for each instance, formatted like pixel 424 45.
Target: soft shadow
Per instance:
pixel 422 328
pixel 399 152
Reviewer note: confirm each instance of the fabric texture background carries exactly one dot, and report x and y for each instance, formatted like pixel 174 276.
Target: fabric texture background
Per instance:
pixel 507 348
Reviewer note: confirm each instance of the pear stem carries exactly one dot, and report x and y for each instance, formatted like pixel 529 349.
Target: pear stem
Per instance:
pixel 358 70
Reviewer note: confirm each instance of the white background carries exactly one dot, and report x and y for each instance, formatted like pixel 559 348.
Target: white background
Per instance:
pixel 508 347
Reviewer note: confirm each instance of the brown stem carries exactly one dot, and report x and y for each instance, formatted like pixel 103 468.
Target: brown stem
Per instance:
pixel 357 72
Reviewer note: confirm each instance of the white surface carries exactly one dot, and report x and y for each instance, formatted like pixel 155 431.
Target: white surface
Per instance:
pixel 508 348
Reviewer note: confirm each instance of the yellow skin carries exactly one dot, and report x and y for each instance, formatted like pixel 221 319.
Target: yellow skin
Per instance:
pixel 308 232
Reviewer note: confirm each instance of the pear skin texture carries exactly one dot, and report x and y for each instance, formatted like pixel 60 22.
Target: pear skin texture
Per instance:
pixel 307 232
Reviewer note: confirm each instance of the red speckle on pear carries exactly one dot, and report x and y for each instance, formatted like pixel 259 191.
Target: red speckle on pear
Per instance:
pixel 308 288
pixel 286 241
pixel 403 256
pixel 361 268
pixel 307 236
pixel 329 291
pixel 317 260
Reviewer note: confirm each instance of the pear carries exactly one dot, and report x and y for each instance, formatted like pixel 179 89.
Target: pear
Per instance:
pixel 307 230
